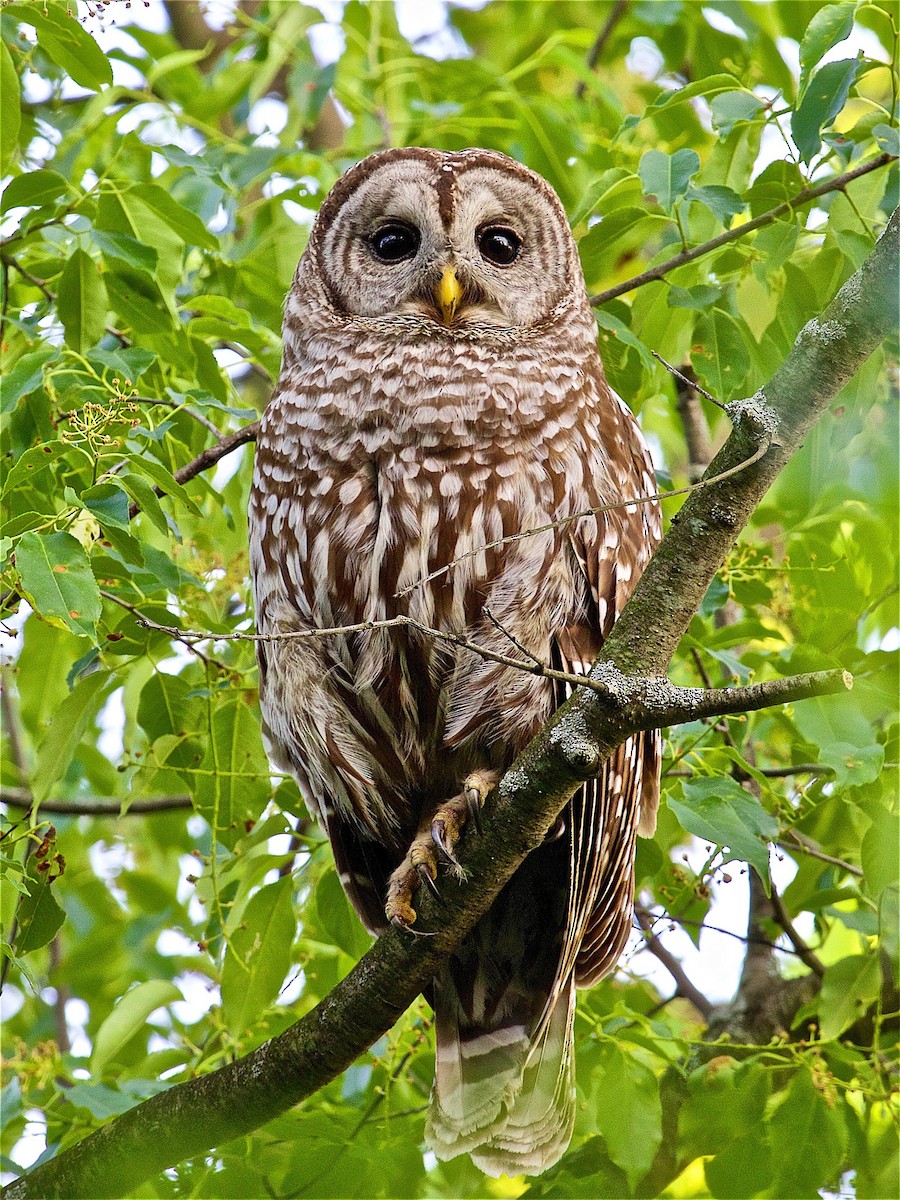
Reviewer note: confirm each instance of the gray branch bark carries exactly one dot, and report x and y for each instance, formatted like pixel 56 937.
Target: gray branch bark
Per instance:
pixel 194 1116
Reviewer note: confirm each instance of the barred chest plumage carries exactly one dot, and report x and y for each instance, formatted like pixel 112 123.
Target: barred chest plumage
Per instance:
pixel 371 476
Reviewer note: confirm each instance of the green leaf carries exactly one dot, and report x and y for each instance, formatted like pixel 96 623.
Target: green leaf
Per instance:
pixel 109 504
pixel 100 1100
pixel 824 98
pixel 166 481
pixel 259 956
pixel 728 108
pixel 666 176
pixel 126 248
pixel 25 377
pixel 848 987
pixel 39 915
pixel 629 1112
pixel 719 355
pixel 878 853
pixel 721 201
pixel 128 1018
pixel 846 740
pixel 146 499
pixel 33 189
pixel 830 25
pixel 699 297
pixel 606 320
pixel 71 47
pixel 807 1136
pixel 888 138
pixel 720 811
pixel 742 1168
pixel 136 297
pixel 711 85
pixel 82 302
pixel 621 230
pixel 11 107
pixel 181 220
pixel 58 582
pixel 67 727
pixel 233 783
pixel 337 917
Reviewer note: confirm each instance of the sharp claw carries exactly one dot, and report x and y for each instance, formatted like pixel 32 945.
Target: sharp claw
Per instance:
pixel 425 875
pixel 556 830
pixel 438 836
pixel 399 923
pixel 473 803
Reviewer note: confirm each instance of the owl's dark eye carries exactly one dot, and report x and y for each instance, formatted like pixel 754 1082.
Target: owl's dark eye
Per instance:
pixel 395 241
pixel 499 245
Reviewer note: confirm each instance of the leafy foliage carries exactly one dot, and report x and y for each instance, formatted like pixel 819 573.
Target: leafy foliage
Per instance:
pixel 150 234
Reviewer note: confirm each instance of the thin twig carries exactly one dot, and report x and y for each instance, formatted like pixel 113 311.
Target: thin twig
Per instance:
pixel 691 383
pixel 799 841
pixel 596 51
pixel 806 196
pixel 768 772
pixel 101 806
pixel 650 703
pixel 509 636
pixel 760 452
pixel 804 953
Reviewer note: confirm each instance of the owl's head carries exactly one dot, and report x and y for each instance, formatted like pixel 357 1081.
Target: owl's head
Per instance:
pixel 446 242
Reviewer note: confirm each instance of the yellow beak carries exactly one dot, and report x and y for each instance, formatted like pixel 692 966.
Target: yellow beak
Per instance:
pixel 448 294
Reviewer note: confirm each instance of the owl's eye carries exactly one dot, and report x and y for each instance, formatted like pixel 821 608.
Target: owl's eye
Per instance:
pixel 499 245
pixel 395 241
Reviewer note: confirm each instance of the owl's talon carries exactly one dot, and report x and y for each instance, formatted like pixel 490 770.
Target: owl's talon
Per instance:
pixel 440 837
pixel 473 804
pixel 428 879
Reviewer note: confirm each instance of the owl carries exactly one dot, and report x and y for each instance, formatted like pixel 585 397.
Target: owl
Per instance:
pixel 440 391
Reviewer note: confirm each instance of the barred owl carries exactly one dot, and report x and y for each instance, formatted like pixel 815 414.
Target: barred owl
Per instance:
pixel 440 391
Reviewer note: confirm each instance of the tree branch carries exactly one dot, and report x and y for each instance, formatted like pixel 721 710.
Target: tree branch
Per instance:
pixel 805 845
pixel 683 985
pixel 102 806
pixel 208 458
pixel 596 52
pixel 806 196
pixel 641 703
pixel 204 1112
pixel 804 953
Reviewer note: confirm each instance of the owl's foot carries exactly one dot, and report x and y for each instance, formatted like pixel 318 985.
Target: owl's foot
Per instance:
pixel 441 831
pixel 451 818
pixel 419 868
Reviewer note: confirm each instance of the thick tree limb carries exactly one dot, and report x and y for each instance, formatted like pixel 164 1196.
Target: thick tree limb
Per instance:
pixel 196 1115
pixel 836 184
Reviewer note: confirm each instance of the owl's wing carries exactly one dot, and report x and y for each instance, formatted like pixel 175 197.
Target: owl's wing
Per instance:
pixel 609 551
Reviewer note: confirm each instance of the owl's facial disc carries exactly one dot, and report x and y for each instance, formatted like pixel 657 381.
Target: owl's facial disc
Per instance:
pixel 455 241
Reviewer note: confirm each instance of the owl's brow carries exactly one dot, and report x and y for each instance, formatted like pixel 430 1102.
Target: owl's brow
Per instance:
pixel 597 511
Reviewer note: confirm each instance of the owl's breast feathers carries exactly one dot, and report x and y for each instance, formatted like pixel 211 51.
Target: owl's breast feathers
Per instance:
pixel 376 469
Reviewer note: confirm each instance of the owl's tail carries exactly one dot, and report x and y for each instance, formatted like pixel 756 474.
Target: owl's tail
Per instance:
pixel 505 1092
